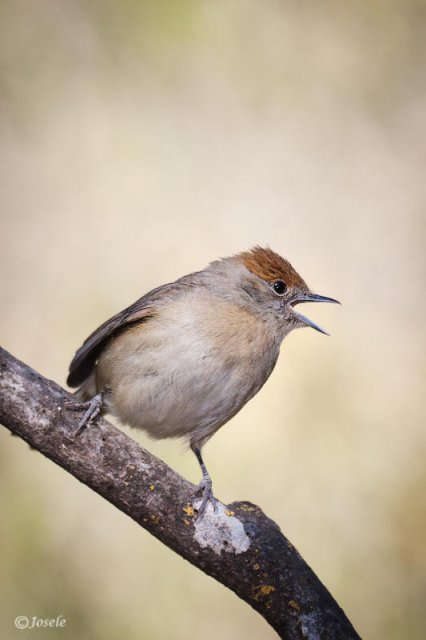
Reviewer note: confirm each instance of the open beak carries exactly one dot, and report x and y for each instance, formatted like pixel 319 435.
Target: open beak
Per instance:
pixel 310 297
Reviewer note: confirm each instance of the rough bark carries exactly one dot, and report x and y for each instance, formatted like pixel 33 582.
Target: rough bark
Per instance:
pixel 238 545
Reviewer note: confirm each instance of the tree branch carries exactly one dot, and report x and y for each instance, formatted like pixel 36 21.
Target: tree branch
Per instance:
pixel 238 545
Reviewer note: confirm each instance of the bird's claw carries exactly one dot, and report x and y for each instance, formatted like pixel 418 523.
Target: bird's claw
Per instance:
pixel 92 409
pixel 205 487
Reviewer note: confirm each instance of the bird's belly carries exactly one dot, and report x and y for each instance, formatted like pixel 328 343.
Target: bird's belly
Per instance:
pixel 177 402
pixel 179 387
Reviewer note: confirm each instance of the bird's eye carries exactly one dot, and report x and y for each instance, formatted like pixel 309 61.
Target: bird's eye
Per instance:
pixel 280 287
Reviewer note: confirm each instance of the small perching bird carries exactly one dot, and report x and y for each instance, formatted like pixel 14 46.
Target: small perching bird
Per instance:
pixel 186 357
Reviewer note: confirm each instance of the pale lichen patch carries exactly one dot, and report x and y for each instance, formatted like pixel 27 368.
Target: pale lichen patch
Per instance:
pixel 218 531
pixel 247 508
pixel 31 407
pixel 310 625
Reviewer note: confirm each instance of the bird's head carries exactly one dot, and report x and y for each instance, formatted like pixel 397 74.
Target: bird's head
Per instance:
pixel 271 286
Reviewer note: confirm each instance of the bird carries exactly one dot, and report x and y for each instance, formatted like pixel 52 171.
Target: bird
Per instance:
pixel 184 358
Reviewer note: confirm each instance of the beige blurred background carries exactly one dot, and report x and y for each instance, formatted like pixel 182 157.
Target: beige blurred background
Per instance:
pixel 141 140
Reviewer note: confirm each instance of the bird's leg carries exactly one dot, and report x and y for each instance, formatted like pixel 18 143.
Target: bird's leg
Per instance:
pixel 92 410
pixel 205 486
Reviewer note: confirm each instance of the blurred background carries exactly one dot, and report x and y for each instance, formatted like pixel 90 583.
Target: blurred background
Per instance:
pixel 141 140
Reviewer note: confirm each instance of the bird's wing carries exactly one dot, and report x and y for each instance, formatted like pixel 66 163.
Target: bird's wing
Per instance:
pixel 86 357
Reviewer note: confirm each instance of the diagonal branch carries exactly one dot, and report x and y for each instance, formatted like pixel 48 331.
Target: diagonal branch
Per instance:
pixel 238 545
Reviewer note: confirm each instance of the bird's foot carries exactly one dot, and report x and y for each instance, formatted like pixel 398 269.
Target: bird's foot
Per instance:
pixel 205 487
pixel 92 409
